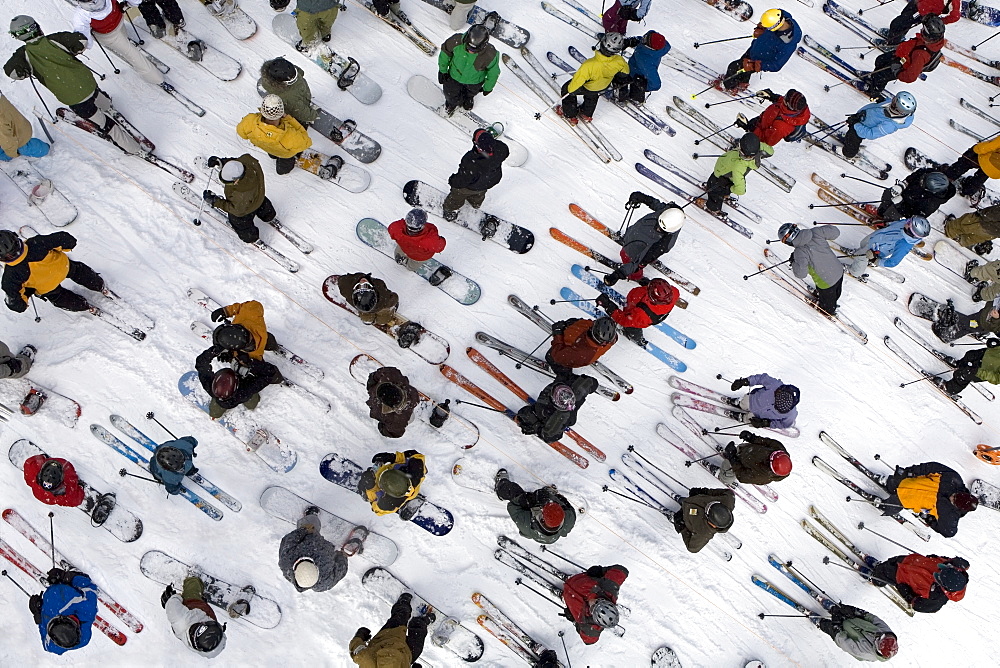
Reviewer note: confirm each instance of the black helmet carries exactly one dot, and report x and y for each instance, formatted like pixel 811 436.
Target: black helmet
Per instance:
pixel 25 28
pixel 933 28
pixel 364 296
pixel 64 631
pixel 476 38
pixel 935 183
pixel 50 476
pixel 391 396
pixel 224 383
pixel 749 145
pixel 604 330
pixel 206 636
pixel 233 337
pixel 170 458
pixel 719 516
pixel 280 69
pixel 11 246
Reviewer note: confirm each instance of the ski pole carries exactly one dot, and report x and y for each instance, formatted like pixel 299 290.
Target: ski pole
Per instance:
pixel 45 128
pixel 811 583
pixel 562 637
pixel 823 206
pixel 761 271
pixel 570 301
pixel 605 488
pixel 151 416
pixel 881 4
pixel 110 62
pixel 976 46
pixel 761 615
pixel 515 359
pixel 123 473
pixel 816 222
pixel 52 539
pixel 539 312
pixel 693 200
pixel 878 458
pixel 638 454
pixel 723 81
pixel 875 504
pixel 38 318
pixel 16 584
pixel 928 377
pixel 709 105
pixel 701 459
pixel 100 76
pixel 138 37
pixel 718 430
pixel 861 526
pixel 719 131
pixel 718 376
pixel 829 131
pixel 871 183
pixel 521 364
pixel 545 548
pixel 469 403
pixel 860 77
pixel 707 155
pixel 627 220
pixel 201 207
pixel 42 99
pixel 595 270
pixel 519 581
pixel 719 41
pixel 867 576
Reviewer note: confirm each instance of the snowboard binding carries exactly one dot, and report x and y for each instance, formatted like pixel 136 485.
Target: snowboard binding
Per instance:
pixel 410 508
pixel 349 74
pixel 332 167
pixel 195 50
pixel 440 275
pixel 102 509
pixel 355 543
pixel 440 414
pixel 488 227
pixel 33 401
pixel 240 607
pixel 408 334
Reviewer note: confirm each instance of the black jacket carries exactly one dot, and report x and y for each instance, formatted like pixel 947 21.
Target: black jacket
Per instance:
pixel 479 172
pixel 259 374
pixel 916 200
pixel 16 275
pixel 644 241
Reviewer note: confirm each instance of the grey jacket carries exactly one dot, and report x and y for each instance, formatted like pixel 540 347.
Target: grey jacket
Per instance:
pixel 315 6
pixel 300 543
pixel 858 636
pixel 644 241
pixel 813 256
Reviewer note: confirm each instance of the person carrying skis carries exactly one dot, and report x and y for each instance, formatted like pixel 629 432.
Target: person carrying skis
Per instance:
pixel 786 118
pixel 934 492
pixel 730 172
pixel 65 611
pixel 648 238
pixel 879 119
pixel 417 241
pixel 37 266
pixel 591 600
pixel 557 407
pixel 53 481
pixel 544 515
pixel 192 619
pixel 926 583
pixel 888 246
pixel 813 256
pixel 16 134
pixel 975 230
pixel 774 42
pixel 756 461
pixel 983 157
pixel 615 18
pixel 104 20
pixel 704 513
pixel 772 404
pixel 156 14
pixel 860 633
pixel 247 331
pixel 645 306
pixel 242 380
pixel 481 168
pixel 315 19
pixel 276 133
pixel 373 300
pixel 919 194
pixel 643 67
pixel 287 81
pixel 393 482
pixel 173 461
pixel 604 69
pixel 243 195
pixel 467 65
pixel 52 60
pixel 307 559
pixel 918 11
pixel 579 342
pixel 16 366
pixel 910 59
pixel 400 641
pixel 391 400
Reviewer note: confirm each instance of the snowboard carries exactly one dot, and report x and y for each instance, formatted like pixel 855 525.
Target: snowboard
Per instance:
pixel 458 287
pixel 980 13
pixel 238 602
pixel 988 493
pixel 31 397
pixel 954 258
pixel 346 473
pixel 445 632
pixel 357 144
pixel 41 195
pixel 476 475
pixel 289 506
pixel 235 20
pixel 349 177
pixel 924 307
pixel 510 236
pixel 505 31
pixel 211 59
pixel 664 657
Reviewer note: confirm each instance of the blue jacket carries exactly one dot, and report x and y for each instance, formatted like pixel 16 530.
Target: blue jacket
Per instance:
pixel 646 61
pixel 773 49
pixel 172 481
pixel 891 242
pixel 762 401
pixel 876 123
pixel 80 601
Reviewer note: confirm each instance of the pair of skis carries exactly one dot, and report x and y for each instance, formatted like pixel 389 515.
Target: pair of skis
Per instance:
pixel 504 629
pixel 789 571
pixel 402 24
pixel 729 407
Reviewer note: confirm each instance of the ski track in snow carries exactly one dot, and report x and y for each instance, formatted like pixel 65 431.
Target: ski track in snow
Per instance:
pixel 137 234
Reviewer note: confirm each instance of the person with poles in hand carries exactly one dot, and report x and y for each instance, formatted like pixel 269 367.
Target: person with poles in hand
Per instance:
pixel 16 134
pixel 480 169
pixel 591 600
pixel 976 366
pixel 308 560
pixel 859 633
pixel 643 67
pixel 579 342
pixel 172 462
pixel 417 241
pixel 774 42
pixel 65 611
pixel 615 19
pixel 918 11
pixel 645 306
pixel 888 246
pixel 192 619
pixel 934 492
pixel 245 373
pixel 758 460
pixel 813 257
pixel 287 81
pixel 104 20
pixel 983 157
pixel 604 69
pixel 910 59
pixel 771 403
pixel 391 400
pixel 243 195
pixel 704 513
pixel 53 481
pixel 926 583
pixel 730 172
pixel 373 300
pixel 400 641
pixel 785 118
pixel 544 515
pixel 975 230
pixel 878 119
pixel 276 133
pixel 467 65
pixel 393 483
pixel 647 239
pixel 921 193
pixel 557 406
pixel 16 366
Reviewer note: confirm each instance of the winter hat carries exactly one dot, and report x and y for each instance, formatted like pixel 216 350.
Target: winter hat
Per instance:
pixel 553 516
pixel 231 171
pixel 272 108
pixel 415 220
pixel 394 482
pixel 951 578
pixel 794 100
pixel 306 573
pixel 965 502
pixel 391 396
pixel 786 397
pixel 655 40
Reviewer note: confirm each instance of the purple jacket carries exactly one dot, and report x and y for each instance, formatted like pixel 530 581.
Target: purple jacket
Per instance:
pixel 762 401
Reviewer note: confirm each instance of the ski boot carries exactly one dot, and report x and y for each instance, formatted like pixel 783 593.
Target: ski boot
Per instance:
pixel 967 274
pixel 439 276
pixel 500 475
pixel 310 510
pixel 440 414
pixel 450 216
pixel 586 119
pixel 572 121
pixel 983 248
pixel 408 333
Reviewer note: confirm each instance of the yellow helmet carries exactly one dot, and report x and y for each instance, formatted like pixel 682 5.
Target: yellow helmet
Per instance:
pixel 772 18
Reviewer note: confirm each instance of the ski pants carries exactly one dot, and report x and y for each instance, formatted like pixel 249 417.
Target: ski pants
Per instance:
pixel 316 27
pixel 735 78
pixel 613 21
pixel 416 627
pixel 459 196
pixel 310 523
pixel 718 188
pixel 8 361
pixel 284 166
pixel 68 300
pixel 901 25
pixel 882 74
pixel 460 95
pixel 970 184
pixel 460 15
pixel 571 104
pixel 852 143
pixel 962 378
pixel 118 43
pixel 404 260
pixel 193 596
pixel 508 490
pixel 383 7
pixel 94 108
pixel 968 230
pixel 245 228
pixel 989 272
pixel 155 11
pixel 827 298
pixel 637 274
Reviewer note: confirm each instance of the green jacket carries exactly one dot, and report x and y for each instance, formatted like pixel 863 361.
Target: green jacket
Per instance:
pixel 297 96
pixel 246 195
pixel 469 68
pixel 529 527
pixel 989 370
pixel 732 165
pixel 51 59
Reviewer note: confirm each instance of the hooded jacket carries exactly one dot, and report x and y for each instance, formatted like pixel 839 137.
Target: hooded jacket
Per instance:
pixel 645 62
pixel 989 157
pixel 78 600
pixel 15 129
pixel 926 487
pixel 386 649
pixel 989 367
pixel 913 576
pixel 387 299
pixel 245 195
pixel 735 166
pixel 173 481
pixel 40 268
pixel 418 247
pixel 103 21
pixel 814 257
pixel 857 634
pixel 52 60
pixel 875 122
pixel 523 514
pixel 762 401
pixel 468 68
pixel 410 462
pixel 595 73
pixel 304 544
pixel 774 47
pixel 70 494
pixel 182 617
pixel 259 374
pixel 285 140
pixel 391 425
pixel 572 345
pixel 690 519
pixel 778 121
pixel 480 172
pixel 891 243
pixel 296 96
pixel 250 315
pixel 917 201
pixel 581 590
pixel 641 312
pixel 949 10
pixel 752 464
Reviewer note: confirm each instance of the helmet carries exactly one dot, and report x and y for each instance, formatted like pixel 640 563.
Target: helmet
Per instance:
pixel 11 246
pixel 484 141
pixel 933 28
pixel 391 397
pixel 394 482
pixel 772 18
pixel 64 631
pixel 170 458
pixel 272 107
pixel 671 219
pixel 611 43
pixel 935 183
pixel 951 578
pixel 50 476
pixel 206 636
pixel 281 70
pixel 918 227
pixel 224 384
pixel 781 463
pixel 654 40
pixel 903 104
pixel 604 613
pixel 232 171
pixel 476 38
pixel 886 645
pixel 659 291
pixel 718 516
pixel 415 221
pixel 306 573
pixel 749 145
pixel 787 233
pixel 794 100
pixel 24 28
pixel 233 337
pixel 604 330
pixel 363 297
pixel 965 502
pixel 551 516
pixel 563 397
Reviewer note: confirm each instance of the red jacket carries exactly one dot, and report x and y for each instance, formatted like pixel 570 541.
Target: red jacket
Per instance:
pixel 418 247
pixel 778 121
pixel 110 21
pixel 575 348
pixel 916 54
pixel 917 572
pixel 638 309
pixel 70 494
pixel 949 10
pixel 581 590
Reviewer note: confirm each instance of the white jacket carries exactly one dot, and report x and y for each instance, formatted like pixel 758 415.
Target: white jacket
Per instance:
pixel 182 618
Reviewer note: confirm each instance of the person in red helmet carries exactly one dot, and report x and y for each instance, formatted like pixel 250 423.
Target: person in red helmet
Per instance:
pixel 591 600
pixel 544 515
pixel 645 306
pixel 786 118
pixel 53 481
pixel 926 583
pixel 859 633
pixel 756 461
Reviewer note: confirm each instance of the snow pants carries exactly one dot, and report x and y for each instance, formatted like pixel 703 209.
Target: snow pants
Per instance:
pixel 613 21
pixel 852 143
pixel 155 11
pixel 963 376
pixel 460 15
pixel 416 627
pixel 989 272
pixel 193 596
pixel 68 300
pixel 33 148
pixel 968 230
pixel 94 108
pixel 637 274
pixel 571 106
pixel 718 188
pixel 882 74
pixel 459 196
pixel 244 226
pixel 901 25
pixel 827 298
pixel 9 361
pixel 970 184
pixel 118 43
pixel 404 260
pixel 316 27
pixel 508 490
pixel 460 95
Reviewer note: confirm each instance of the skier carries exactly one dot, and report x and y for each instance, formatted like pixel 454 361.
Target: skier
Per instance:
pixel 813 256
pixel 417 241
pixel 756 461
pixel 544 515
pixel 977 229
pixel 786 118
pixel 287 81
pixel 391 400
pixel 242 380
pixel 398 643
pixel 917 11
pixel 557 407
pixel 467 65
pixel 37 266
pixel 314 19
pixel 773 404
pixel 774 42
pixel 976 366
pixel 460 13
pixel 156 14
pixel 52 60
pixel 986 278
pixel 860 633
pixel 926 583
pixel 910 59
pixel 172 462
pixel 375 303
pixel 888 246
pixel 16 134
pixel 247 331
pixel 645 306
pixel 615 19
pixel 65 611
pixel 933 491
pixel 243 195
pixel 192 619
pixel 919 194
pixel 393 482
pixel 879 119
pixel 307 559
pixel 704 513
pixel 578 342
pixel 983 157
pixel 16 366
pixel 730 172
pixel 481 168
pixel 648 238
pixel 591 600
pixel 595 75
pixel 105 21
pixel 643 66
pixel 53 481
pixel 276 133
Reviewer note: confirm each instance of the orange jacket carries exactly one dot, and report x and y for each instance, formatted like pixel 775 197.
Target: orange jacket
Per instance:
pixel 251 315
pixel 574 348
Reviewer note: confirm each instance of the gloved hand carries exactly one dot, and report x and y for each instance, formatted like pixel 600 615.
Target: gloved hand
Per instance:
pixel 567 614
pixel 760 423
pixel 768 94
pixel 384 458
pixel 487 92
pixel 629 12
pixel 632 42
pixel 596 571
pixel 226 356
pixel 218 315
pixel 60 576
pixel 612 278
pixel 636 198
pixel 747 436
pixel 35 606
pixel 214 161
pixel 742 122
pixel 959 562
pixel 730 451
pixel 873 257
pixel 837 615
pixel 210 197
pixel 897 66
pixel 165 596
pixel 606 303
pixel 364 633
pixel 855 118
pixel 896 193
pixel 749 65
pixel 442 77
pixel 738 383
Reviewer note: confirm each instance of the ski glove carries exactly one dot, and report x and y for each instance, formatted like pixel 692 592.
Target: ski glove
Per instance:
pixel 747 436
pixel 60 576
pixel 210 197
pixel 167 593
pixel 855 118
pixel 629 13
pixel 758 31
pixel 383 458
pixel 738 383
pixel 567 614
pixel 751 65
pixel 364 633
pixel 606 303
pixel 596 571
pixel 487 92
pixel 611 279
pixel 760 423
pixel 959 562
pixel 442 77
pixel 218 315
pixel 214 161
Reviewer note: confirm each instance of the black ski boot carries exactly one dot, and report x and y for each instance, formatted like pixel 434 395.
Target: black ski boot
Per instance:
pixel 440 414
pixel 967 274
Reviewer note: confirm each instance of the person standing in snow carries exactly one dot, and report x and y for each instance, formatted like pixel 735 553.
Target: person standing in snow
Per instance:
pixel 16 366
pixel 192 619
pixel 276 133
pixel 37 266
pixel 648 238
pixel 813 257
pixel 417 241
pixel 391 400
pixel 643 67
pixel 926 583
pixel 771 403
pixel 917 11
pixel 615 18
pixel 859 633
pixel 544 515
pixel 393 482
pixel 307 559
pixel 16 134
pixel 932 490
pixel 591 600
pixel 467 65
pixel 243 195
pixel 977 229
pixel 756 461
pixel 976 366
pixel 375 303
pixel 983 157
pixel 645 306
pixel 888 246
pixel 105 21
pixel 557 406
pixel 579 342
pixel 65 611
pixel 774 42
pixel 243 377
pixel 786 118
pixel 921 193
pixel 604 69
pixel 481 168
pixel 53 481
pixel 172 462
pixel 704 513
pixel 879 119
pixel 157 13
pixel 400 641
pixel 910 59
pixel 314 19
pixel 287 81
pixel 729 177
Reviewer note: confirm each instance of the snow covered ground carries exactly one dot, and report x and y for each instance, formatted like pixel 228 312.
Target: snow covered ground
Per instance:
pixel 138 235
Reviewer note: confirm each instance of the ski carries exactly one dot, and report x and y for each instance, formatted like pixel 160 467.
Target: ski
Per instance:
pixel 894 347
pixel 786 568
pixel 402 24
pixel 685 400
pixel 40 194
pixel 511 640
pixel 978 112
pixel 566 18
pixel 905 328
pixel 863 161
pixel 188 104
pixel 785 598
pixel 731 200
pixel 508 625
pixel 850 78
pixel 962 67
pixel 966 131
pixel 210 59
pixel 699 202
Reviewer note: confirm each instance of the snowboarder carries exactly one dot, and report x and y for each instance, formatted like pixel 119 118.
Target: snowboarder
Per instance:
pixel 888 246
pixel 192 619
pixel 774 42
pixel 460 13
pixel 985 277
pixel 757 461
pixel 730 172
pixel 393 482
pixel 879 119
pixel 544 515
pixel 398 643
pixel 276 133
pixel 315 19
pixel 417 241
pixel 615 18
pixel 919 194
pixel 557 406
pixel 579 342
pixel 391 400
pixel 773 404
pixel 917 11
pixel 860 633
pixel 287 81
pixel 37 266
pixel 645 306
pixel 105 21
pixel 52 60
pixel 242 380
pixel 643 66
pixel 53 481
pixel 926 583
pixel 648 238
pixel 977 229
pixel 16 366
pixel 375 303
pixel 813 256
pixel 156 14
pixel 933 491
pixel 173 461
pixel 247 331
pixel 604 69
pixel 481 168
pixel 16 134
pixel 704 513
pixel 983 157
pixel 786 118
pixel 307 559
pixel 467 65
pixel 591 600
pixel 243 195
pixel 910 59
pixel 65 611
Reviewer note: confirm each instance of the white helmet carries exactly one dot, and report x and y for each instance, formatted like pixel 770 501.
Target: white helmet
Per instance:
pixel 670 219
pixel 272 108
pixel 306 573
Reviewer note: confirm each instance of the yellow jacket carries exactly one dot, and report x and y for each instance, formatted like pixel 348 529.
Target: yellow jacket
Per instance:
pixel 596 73
pixel 387 649
pixel 251 315
pixel 15 129
pixel 989 157
pixel 285 140
pixel 920 493
pixel 375 494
